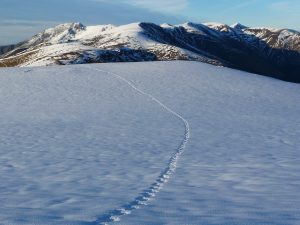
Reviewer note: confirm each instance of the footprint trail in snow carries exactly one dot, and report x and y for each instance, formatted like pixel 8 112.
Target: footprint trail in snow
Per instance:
pixel 150 193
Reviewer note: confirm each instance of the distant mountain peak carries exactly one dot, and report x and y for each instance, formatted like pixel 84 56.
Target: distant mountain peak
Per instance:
pixel 272 52
pixel 238 26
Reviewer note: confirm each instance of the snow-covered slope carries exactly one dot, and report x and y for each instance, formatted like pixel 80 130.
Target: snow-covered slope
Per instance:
pixel 272 52
pixel 90 144
pixel 76 43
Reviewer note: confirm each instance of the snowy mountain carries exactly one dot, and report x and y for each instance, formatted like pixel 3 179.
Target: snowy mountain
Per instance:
pixel 271 52
pixel 147 143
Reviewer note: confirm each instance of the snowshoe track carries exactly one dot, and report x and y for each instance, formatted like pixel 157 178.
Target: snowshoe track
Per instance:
pixel 150 193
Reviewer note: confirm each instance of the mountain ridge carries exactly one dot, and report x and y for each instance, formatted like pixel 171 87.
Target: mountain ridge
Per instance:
pixel 266 51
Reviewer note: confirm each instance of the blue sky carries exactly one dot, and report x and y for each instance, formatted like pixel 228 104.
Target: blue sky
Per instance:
pixel 19 19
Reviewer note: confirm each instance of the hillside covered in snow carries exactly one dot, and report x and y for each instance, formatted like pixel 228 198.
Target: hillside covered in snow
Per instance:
pixel 271 52
pixel 146 143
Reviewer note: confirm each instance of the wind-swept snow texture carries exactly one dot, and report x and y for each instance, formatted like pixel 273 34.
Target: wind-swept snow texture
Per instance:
pixel 89 144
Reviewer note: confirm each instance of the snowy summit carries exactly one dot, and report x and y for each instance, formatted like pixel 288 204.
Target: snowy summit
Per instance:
pixel 266 51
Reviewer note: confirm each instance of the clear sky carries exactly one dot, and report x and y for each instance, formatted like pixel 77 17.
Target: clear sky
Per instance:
pixel 20 19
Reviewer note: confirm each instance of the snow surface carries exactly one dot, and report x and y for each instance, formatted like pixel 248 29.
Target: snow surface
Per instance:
pixel 93 31
pixel 89 144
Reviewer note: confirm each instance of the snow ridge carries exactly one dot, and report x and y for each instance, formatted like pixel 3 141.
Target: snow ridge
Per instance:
pixel 148 194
